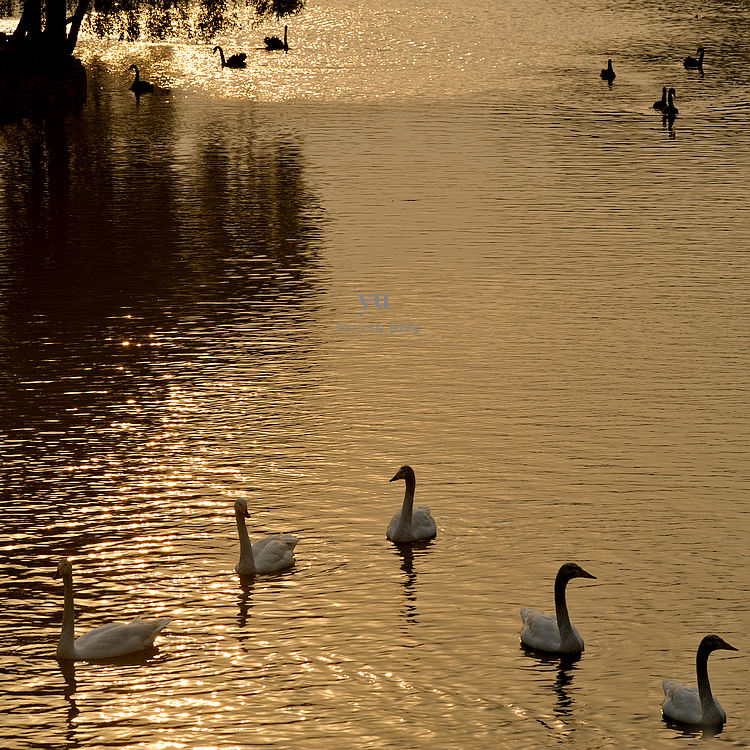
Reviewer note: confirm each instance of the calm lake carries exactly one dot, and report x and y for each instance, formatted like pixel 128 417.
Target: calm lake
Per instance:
pixel 428 234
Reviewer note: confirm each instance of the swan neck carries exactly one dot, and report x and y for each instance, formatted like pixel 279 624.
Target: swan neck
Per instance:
pixel 408 506
pixel 246 548
pixel 561 607
pixel 65 647
pixel 704 686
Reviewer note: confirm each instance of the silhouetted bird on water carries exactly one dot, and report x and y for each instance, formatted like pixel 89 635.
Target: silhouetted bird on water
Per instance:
pixel 693 62
pixel 662 103
pixel 234 61
pixel 608 74
pixel 140 87
pixel 670 110
pixel 273 42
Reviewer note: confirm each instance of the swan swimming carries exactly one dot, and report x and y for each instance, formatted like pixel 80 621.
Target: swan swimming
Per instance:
pixel 608 73
pixel 692 62
pixel 273 42
pixel 410 524
pixel 107 641
pixel 554 633
pixel 140 87
pixel 670 110
pixel 233 61
pixel 690 705
pixel 268 555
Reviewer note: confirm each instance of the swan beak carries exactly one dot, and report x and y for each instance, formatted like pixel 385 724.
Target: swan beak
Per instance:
pixel 727 646
pixel 584 574
pixel 398 476
pixel 56 574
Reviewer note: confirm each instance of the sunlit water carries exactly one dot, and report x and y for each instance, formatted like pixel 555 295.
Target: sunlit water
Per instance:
pixel 563 359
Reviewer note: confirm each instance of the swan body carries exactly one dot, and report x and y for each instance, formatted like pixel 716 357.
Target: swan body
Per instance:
pixel 270 554
pixel 696 705
pixel 693 62
pixel 273 42
pixel 608 73
pixel 662 103
pixel 554 633
pixel 140 87
pixel 107 641
pixel 410 524
pixel 233 61
pixel 670 110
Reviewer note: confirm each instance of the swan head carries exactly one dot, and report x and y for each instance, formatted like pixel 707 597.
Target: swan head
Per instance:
pixel 715 642
pixel 133 67
pixel 572 570
pixel 63 568
pixel 240 508
pixel 403 473
pixel 700 50
pixel 215 48
pixel 672 92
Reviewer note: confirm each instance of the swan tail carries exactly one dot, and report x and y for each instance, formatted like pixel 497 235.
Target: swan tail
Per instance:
pixel 149 629
pixel 667 685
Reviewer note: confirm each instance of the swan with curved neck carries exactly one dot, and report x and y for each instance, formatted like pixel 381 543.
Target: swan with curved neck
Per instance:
pixel 694 62
pixel 410 524
pixel 273 42
pixel 140 87
pixel 554 634
pixel 107 641
pixel 690 705
pixel 661 103
pixel 268 555
pixel 670 110
pixel 233 61
pixel 608 73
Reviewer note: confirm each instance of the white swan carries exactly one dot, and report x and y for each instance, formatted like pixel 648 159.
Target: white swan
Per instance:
pixel 107 641
pixel 690 705
pixel 554 634
pixel 410 524
pixel 268 555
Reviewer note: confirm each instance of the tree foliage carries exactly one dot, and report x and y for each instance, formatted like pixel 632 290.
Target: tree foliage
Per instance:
pixel 54 25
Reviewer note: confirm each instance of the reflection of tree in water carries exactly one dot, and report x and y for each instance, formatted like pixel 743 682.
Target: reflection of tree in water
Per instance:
pixel 123 222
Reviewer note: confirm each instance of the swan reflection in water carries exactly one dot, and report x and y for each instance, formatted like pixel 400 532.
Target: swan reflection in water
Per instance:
pixel 244 601
pixel 68 669
pixel 566 664
pixel 409 606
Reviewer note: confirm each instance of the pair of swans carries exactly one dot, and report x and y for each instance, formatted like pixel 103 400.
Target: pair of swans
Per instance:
pixel 267 555
pixel 683 704
pixel 666 104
